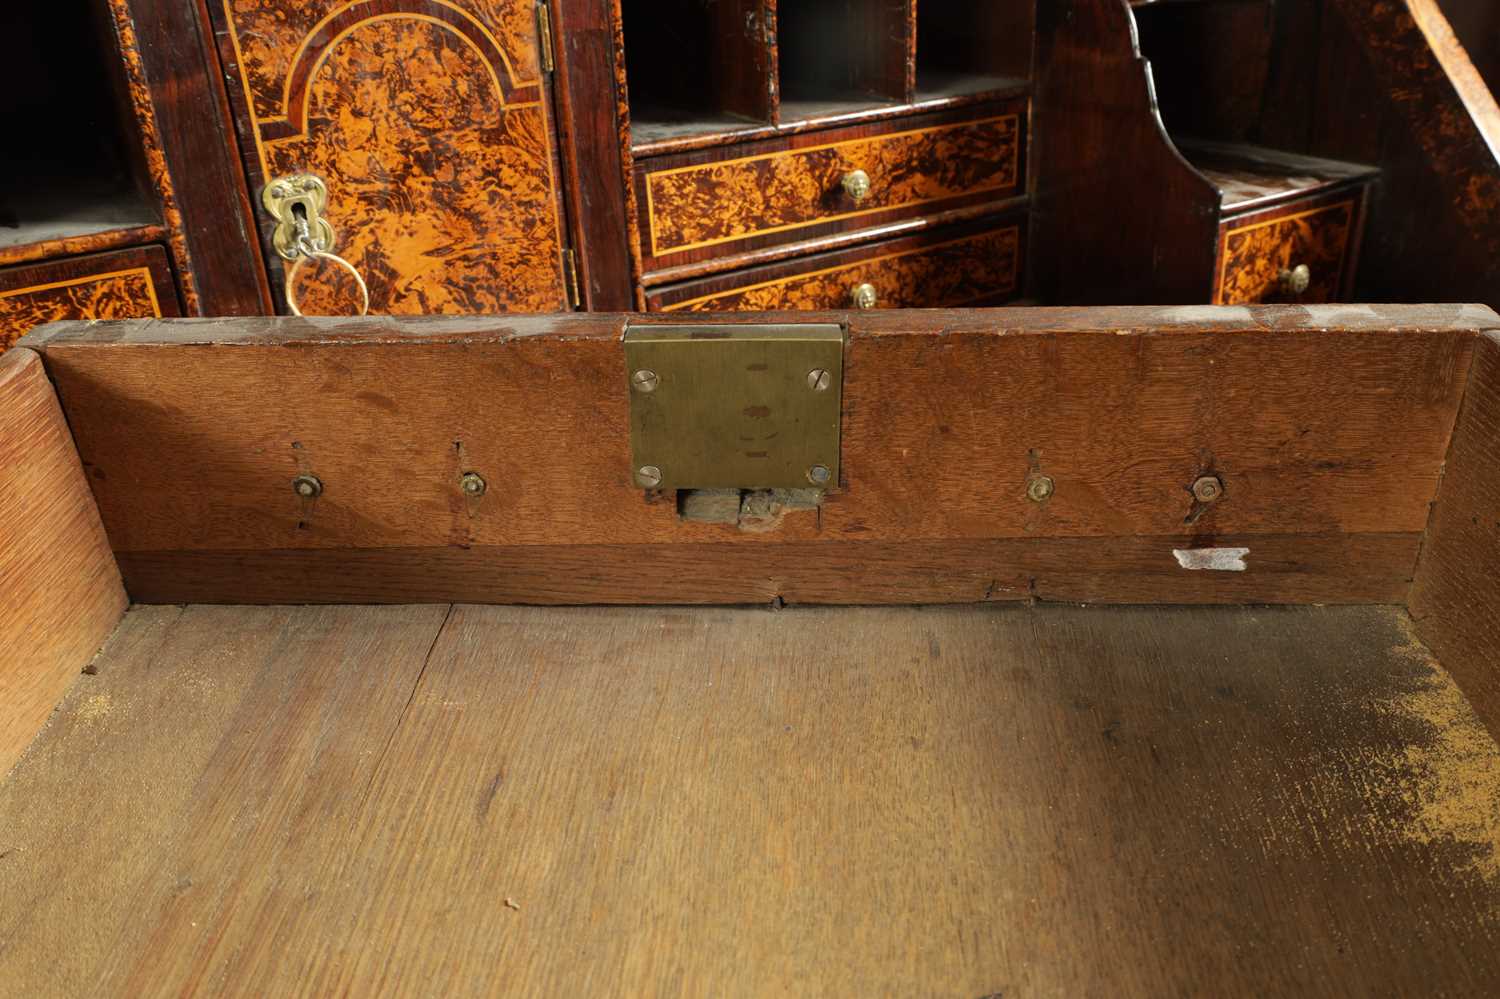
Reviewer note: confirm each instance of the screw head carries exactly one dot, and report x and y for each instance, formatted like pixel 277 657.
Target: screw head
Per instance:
pixel 645 380
pixel 1208 489
pixel 648 476
pixel 307 486
pixel 819 379
pixel 1039 488
pixel 819 475
pixel 473 484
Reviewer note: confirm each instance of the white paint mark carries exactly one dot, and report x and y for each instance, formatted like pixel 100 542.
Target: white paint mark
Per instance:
pixel 1206 313
pixel 1335 315
pixel 1477 315
pixel 1213 559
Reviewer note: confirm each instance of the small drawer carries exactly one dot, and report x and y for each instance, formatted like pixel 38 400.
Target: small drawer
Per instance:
pixel 716 202
pixel 1298 252
pixel 942 269
pixel 121 284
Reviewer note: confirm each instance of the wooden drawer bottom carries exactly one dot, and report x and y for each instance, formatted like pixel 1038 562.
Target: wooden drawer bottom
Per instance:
pixel 949 750
pixel 943 269
pixel 122 284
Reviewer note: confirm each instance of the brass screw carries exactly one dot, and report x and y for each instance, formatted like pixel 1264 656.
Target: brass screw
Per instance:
pixel 819 379
pixel 1208 489
pixel 819 475
pixel 473 484
pixel 307 486
pixel 1039 488
pixel 645 380
pixel 648 476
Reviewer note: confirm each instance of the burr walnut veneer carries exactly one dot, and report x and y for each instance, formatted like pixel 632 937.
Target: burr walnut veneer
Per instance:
pixel 514 156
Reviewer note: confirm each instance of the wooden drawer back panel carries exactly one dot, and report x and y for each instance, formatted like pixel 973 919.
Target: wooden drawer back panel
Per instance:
pixel 932 271
pixel 700 205
pixel 1255 248
pixel 1328 428
pixel 125 284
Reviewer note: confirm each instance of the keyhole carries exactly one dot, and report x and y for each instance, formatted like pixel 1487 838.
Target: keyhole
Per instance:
pixel 302 226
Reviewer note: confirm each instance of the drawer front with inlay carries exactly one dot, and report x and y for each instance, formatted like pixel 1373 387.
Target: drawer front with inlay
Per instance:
pixel 715 203
pixel 929 271
pixel 1302 252
pixel 122 284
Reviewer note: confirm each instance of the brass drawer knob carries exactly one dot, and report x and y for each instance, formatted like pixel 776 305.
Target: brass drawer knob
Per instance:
pixel 1295 280
pixel 862 296
pixel 856 185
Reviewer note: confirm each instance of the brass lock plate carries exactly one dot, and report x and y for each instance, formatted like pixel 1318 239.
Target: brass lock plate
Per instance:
pixel 298 198
pixel 735 406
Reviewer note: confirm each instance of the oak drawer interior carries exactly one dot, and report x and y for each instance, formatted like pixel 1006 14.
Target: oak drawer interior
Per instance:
pixel 315 749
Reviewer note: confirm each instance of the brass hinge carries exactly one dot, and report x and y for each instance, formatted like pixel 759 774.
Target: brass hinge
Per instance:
pixel 544 32
pixel 570 278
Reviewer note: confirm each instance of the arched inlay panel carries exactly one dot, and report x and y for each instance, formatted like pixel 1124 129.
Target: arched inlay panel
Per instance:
pixel 428 123
pixel 271 36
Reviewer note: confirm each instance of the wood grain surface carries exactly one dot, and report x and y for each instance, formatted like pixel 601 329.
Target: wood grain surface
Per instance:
pixel 60 592
pixel 1322 423
pixel 149 149
pixel 849 239
pixel 965 802
pixel 1295 568
pixel 832 115
pixel 1254 177
pixel 429 123
pixel 1433 128
pixel 693 63
pixel 121 284
pixel 941 269
pixel 1455 598
pixel 595 151
pixel 836 51
pixel 1120 215
pixel 1255 248
pixel 709 203
pixel 181 69
pixel 80 212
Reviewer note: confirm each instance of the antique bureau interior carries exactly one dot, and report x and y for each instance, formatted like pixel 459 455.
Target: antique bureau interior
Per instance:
pixel 336 743
pixel 1145 643
pixel 741 155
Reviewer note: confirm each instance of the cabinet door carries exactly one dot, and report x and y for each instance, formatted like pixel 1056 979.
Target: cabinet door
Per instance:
pixel 430 123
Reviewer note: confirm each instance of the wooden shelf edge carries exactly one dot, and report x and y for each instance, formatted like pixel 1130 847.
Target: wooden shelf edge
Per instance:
pixel 864 115
pixel 836 241
pixel 1320 175
pixel 72 246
